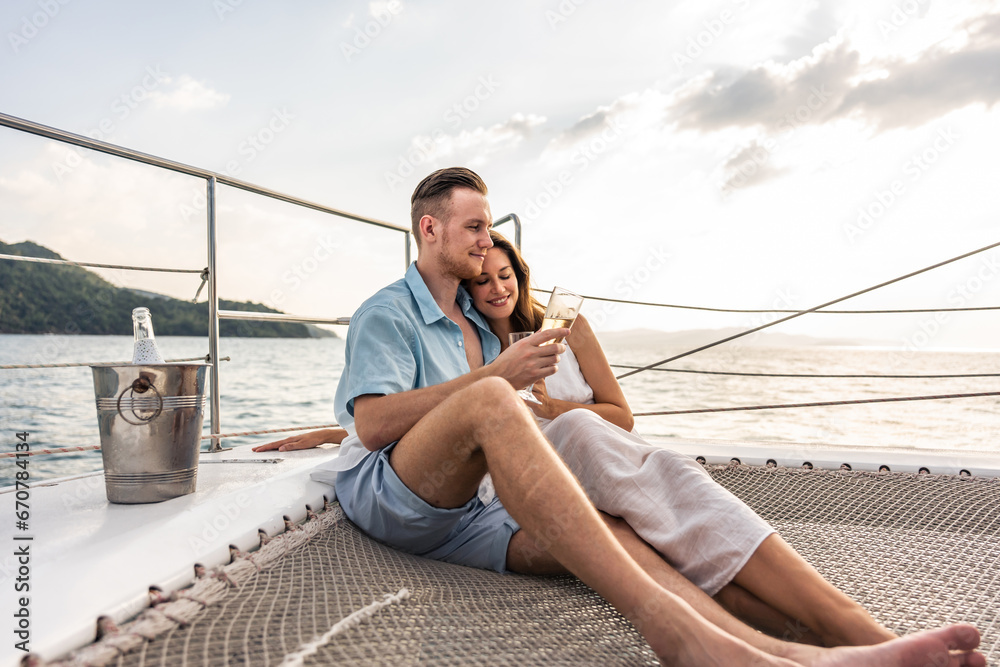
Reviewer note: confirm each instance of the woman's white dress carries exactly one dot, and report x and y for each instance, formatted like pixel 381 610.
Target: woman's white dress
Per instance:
pixel 704 531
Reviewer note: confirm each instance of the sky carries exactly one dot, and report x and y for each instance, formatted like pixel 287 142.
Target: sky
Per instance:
pixel 727 154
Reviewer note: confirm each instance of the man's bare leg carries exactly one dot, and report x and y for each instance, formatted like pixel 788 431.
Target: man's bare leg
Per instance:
pixel 529 556
pixel 807 597
pixel 486 427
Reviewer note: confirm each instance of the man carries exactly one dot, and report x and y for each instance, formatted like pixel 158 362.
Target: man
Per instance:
pixel 430 408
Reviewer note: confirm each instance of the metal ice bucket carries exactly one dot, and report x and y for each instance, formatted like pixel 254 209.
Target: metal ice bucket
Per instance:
pixel 150 420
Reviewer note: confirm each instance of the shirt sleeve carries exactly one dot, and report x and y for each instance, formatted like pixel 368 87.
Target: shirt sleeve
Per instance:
pixel 381 356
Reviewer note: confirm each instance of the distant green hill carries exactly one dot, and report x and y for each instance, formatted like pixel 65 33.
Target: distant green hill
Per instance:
pixel 52 298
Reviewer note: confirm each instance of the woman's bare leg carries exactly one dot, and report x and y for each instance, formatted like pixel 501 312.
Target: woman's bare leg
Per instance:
pixel 657 492
pixel 756 613
pixel 782 579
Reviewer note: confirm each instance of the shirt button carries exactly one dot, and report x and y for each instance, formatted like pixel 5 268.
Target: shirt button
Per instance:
pixel 460 343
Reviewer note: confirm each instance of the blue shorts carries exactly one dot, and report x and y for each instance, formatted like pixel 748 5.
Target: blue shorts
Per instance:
pixel 374 498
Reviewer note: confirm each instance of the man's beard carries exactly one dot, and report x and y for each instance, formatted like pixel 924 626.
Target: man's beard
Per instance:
pixel 462 271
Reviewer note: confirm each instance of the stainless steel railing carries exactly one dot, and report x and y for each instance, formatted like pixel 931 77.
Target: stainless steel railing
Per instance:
pixel 212 180
pixel 512 217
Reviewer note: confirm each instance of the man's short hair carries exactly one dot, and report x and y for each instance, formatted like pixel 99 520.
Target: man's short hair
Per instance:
pixel 432 195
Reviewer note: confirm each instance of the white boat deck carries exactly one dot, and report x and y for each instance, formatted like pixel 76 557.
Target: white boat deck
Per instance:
pixel 91 558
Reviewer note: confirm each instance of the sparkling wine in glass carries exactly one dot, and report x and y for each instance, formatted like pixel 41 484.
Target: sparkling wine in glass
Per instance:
pixel 523 393
pixel 563 308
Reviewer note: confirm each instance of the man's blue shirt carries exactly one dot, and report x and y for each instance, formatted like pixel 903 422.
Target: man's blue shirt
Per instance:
pixel 399 340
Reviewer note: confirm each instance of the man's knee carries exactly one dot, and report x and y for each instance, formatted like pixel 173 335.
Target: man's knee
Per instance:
pixel 492 397
pixel 491 388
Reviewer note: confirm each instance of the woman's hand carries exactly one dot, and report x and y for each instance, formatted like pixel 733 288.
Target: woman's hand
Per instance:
pixel 546 410
pixel 305 440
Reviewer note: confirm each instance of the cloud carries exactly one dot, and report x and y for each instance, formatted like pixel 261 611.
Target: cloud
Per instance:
pixel 379 8
pixel 915 92
pixel 71 210
pixel 833 82
pixel 479 144
pixel 817 23
pixel 595 123
pixel 766 94
pixel 186 94
pixel 751 165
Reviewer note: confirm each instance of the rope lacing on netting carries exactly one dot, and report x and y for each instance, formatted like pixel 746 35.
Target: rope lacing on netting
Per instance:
pixel 169 611
pixel 87 448
pixel 351 621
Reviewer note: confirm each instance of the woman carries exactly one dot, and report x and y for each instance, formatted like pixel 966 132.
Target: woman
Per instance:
pixel 705 532
pixel 699 528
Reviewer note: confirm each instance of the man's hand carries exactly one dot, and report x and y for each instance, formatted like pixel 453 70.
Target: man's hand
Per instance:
pixel 382 419
pixel 530 359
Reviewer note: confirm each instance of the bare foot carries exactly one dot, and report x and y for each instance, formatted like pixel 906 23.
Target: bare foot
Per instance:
pixel 711 647
pixel 951 646
pixel 685 638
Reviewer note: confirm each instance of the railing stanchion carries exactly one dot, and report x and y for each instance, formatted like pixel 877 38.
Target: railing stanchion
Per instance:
pixel 511 217
pixel 213 315
pixel 407 258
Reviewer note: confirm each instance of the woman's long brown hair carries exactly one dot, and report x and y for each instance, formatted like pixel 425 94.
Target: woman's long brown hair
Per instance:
pixel 528 312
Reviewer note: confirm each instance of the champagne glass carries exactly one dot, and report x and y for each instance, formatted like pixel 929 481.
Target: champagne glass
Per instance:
pixel 561 312
pixel 563 308
pixel 523 393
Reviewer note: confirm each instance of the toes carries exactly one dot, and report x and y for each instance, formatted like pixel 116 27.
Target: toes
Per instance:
pixel 963 637
pixel 958 637
pixel 971 660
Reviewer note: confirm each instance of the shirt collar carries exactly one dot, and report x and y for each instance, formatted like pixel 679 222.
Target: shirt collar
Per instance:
pixel 465 303
pixel 429 309
pixel 431 312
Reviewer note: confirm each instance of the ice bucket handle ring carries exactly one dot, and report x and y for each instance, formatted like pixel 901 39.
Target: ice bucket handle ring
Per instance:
pixel 140 386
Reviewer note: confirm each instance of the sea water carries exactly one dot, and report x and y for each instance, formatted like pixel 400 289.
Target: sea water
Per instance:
pixel 275 383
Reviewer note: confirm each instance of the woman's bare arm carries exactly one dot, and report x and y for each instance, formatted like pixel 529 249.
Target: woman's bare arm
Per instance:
pixel 609 399
pixel 305 440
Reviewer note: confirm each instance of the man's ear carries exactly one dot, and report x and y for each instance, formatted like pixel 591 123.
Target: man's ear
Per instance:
pixel 429 229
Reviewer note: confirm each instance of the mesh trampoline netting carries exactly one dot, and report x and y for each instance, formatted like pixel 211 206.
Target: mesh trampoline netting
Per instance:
pixel 916 551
